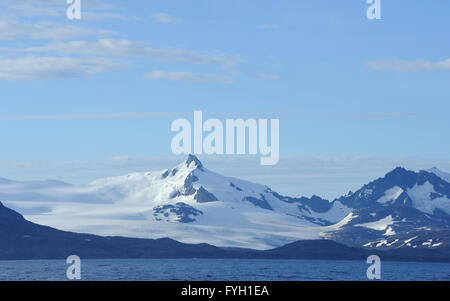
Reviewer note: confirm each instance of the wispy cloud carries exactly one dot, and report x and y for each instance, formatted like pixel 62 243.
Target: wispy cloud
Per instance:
pixel 166 18
pixel 188 77
pixel 403 65
pixel 44 68
pixel 12 30
pixel 113 47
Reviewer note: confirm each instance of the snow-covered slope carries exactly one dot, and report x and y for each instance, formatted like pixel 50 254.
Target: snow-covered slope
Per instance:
pixel 192 204
pixel 188 203
pixel 391 209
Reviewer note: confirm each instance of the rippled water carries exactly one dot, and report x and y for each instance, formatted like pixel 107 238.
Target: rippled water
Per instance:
pixel 220 269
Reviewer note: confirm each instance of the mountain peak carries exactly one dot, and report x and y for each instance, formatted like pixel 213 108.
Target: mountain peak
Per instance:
pixel 398 169
pixel 442 174
pixel 191 158
pixel 399 174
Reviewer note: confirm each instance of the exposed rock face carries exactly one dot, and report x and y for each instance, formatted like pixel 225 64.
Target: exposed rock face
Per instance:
pixel 165 174
pixel 204 196
pixel 192 158
pixel 402 209
pixel 235 187
pixel 179 212
pixel 188 187
pixel 261 202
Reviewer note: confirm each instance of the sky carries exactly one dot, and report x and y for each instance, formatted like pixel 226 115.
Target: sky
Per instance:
pixel 95 97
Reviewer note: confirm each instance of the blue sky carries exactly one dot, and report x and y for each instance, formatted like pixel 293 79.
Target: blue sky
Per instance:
pixel 109 85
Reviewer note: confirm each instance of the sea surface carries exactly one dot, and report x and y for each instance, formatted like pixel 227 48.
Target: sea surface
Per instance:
pixel 220 269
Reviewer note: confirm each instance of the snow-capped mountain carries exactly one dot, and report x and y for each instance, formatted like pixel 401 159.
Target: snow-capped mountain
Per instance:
pixel 192 204
pixel 393 211
pixel 188 202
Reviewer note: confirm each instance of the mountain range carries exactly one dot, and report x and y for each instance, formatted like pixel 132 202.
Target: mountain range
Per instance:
pixel 23 240
pixel 404 210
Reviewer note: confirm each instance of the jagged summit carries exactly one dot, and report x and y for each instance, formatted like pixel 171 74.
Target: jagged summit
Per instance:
pixel 192 158
pixel 399 173
pixel 442 174
pixel 396 209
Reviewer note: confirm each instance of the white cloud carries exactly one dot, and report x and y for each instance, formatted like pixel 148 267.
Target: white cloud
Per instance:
pixel 135 49
pixel 12 30
pixel 166 18
pixel 403 65
pixel 44 68
pixel 188 77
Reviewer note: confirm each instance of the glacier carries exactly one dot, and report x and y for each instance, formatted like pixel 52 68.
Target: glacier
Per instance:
pixel 192 204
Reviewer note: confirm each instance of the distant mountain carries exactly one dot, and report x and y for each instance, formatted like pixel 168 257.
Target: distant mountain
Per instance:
pixel 21 239
pixel 402 209
pixel 189 203
pixel 442 174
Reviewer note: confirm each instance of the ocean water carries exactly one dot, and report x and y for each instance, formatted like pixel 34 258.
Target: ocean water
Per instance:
pixel 220 269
